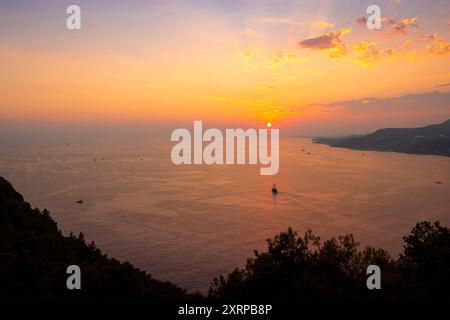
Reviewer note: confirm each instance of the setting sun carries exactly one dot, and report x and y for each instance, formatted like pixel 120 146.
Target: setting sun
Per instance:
pixel 139 127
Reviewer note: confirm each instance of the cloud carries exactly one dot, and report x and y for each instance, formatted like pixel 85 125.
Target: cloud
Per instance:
pixel 422 45
pixel 435 45
pixel 371 113
pixel 418 44
pixel 327 41
pixel 361 21
pixel 278 63
pixel 408 20
pixel 427 102
pixel 331 42
pixel 323 24
pixel 420 38
pixel 283 59
pixel 401 27
pixel 439 47
pixel 404 26
pixel 369 52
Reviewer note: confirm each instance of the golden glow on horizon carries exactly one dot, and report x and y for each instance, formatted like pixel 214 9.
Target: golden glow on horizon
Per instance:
pixel 219 72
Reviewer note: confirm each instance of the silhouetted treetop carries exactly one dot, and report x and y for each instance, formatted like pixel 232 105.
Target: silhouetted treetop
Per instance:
pixel 34 256
pixel 303 267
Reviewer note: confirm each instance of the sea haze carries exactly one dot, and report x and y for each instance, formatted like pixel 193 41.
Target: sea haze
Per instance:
pixel 188 224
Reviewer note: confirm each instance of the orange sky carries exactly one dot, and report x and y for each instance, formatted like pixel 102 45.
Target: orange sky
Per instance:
pixel 217 63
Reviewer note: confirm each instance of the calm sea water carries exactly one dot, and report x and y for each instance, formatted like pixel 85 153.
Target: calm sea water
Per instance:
pixel 188 224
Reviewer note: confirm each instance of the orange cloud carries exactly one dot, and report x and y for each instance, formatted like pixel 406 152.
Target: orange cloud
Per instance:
pixel 370 53
pixel 408 20
pixel 331 42
pixel 323 24
pixel 420 45
pixel 436 44
pixel 362 21
pixel 401 27
pixel 439 47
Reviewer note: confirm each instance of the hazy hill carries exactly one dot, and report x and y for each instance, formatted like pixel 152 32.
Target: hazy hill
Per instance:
pixel 432 139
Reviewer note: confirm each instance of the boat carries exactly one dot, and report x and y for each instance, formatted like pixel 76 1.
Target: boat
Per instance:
pixel 274 189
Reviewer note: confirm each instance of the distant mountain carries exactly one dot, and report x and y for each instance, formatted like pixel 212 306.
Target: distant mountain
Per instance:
pixel 432 139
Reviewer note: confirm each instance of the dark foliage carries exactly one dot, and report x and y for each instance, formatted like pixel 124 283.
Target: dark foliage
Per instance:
pixel 304 268
pixel 34 256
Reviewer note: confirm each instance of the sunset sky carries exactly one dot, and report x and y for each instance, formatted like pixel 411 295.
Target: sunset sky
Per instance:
pixel 312 66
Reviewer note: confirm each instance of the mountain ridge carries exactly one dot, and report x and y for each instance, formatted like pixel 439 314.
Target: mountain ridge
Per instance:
pixel 432 139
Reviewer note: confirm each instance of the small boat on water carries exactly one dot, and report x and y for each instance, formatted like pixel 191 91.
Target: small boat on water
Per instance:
pixel 274 189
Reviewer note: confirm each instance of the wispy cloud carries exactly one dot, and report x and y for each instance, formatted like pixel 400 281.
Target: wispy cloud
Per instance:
pixel 404 26
pixel 279 63
pixel 331 42
pixel 434 44
pixel 439 46
pixel 417 45
pixel 323 24
pixel 439 101
pixel 395 27
pixel 361 21
pixel 369 52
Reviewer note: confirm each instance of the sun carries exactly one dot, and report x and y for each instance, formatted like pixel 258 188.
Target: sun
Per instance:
pixel 269 124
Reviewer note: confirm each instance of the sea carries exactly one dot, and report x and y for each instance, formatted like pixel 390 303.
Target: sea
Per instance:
pixel 189 223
